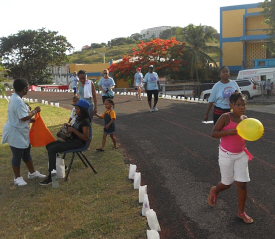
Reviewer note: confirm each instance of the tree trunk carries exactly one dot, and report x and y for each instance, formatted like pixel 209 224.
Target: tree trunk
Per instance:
pixel 197 75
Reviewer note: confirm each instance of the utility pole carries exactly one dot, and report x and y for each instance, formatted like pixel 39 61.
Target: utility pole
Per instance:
pixel 102 54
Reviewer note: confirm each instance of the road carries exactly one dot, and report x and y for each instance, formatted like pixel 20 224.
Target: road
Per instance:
pixel 178 161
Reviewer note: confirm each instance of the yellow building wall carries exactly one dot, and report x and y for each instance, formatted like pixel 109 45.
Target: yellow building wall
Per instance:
pixel 253 10
pixel 232 18
pixel 95 68
pixel 255 23
pixel 122 84
pixel 89 67
pixel 232 53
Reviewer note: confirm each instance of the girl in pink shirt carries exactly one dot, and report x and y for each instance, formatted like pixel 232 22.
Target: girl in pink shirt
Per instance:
pixel 233 155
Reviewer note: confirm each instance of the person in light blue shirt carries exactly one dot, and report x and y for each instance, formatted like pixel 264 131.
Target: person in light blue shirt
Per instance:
pixel 151 86
pixel 220 95
pixel 106 84
pixel 16 132
pixel 138 77
pixel 74 81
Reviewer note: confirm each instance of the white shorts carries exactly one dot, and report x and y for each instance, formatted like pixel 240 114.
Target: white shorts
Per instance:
pixel 139 85
pixel 233 167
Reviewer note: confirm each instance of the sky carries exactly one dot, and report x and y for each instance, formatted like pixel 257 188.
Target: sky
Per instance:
pixel 84 22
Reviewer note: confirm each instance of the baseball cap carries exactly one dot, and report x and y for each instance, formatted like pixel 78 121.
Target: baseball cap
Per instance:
pixel 83 103
pixel 151 66
pixel 139 69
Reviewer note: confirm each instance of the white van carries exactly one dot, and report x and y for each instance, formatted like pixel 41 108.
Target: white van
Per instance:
pixel 258 75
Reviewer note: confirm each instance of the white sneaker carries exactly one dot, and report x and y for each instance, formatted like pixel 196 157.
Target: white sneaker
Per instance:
pixel 19 181
pixel 35 174
pixel 155 109
pixel 151 110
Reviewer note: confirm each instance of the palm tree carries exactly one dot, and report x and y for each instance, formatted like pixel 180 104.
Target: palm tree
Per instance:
pixel 196 49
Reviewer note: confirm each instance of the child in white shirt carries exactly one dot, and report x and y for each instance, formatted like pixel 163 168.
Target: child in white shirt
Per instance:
pixel 73 114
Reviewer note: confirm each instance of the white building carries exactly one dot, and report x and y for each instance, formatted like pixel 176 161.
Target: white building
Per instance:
pixel 60 74
pixel 153 32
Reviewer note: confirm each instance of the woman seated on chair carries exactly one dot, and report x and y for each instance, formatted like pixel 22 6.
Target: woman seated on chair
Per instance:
pixel 80 135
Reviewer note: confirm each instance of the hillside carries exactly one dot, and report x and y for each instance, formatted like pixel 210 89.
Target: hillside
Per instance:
pixel 111 52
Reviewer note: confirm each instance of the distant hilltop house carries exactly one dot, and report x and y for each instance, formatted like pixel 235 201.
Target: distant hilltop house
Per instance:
pixel 85 47
pixel 153 32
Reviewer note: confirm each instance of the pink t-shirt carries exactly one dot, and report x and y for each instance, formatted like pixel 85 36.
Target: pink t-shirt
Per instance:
pixel 232 143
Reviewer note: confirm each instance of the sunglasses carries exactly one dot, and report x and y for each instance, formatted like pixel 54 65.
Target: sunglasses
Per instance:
pixel 105 73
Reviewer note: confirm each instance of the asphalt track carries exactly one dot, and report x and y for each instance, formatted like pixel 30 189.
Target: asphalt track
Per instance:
pixel 178 160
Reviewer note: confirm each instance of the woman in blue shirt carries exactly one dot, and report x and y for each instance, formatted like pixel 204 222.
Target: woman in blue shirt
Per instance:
pixel 220 94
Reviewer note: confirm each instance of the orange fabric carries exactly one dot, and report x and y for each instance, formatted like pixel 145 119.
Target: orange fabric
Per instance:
pixel 39 133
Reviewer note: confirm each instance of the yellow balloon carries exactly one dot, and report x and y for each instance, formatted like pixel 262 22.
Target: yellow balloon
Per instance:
pixel 250 129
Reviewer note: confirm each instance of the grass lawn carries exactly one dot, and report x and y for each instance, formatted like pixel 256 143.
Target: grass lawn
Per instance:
pixel 88 205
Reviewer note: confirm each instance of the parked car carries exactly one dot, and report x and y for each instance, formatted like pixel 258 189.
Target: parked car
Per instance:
pixel 248 87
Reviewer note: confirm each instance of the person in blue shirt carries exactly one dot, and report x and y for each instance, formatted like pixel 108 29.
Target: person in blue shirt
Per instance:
pixel 138 77
pixel 106 84
pixel 74 81
pixel 152 87
pixel 220 95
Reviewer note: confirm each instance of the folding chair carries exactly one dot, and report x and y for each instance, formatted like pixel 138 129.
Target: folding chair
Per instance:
pixel 80 154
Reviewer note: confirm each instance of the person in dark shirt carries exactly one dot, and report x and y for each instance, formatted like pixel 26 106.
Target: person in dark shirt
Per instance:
pixel 80 134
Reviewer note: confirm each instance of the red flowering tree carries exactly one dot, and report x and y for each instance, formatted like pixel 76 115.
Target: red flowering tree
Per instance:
pixel 156 52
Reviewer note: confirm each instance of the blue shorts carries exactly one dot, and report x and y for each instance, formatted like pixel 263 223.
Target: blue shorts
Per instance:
pixel 74 89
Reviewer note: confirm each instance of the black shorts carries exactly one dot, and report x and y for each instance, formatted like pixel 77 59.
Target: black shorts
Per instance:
pixel 152 92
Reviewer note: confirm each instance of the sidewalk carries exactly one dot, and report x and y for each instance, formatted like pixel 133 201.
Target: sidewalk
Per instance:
pixel 262 104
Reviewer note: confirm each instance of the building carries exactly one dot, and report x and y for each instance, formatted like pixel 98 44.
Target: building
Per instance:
pixel 153 32
pixel 60 74
pixel 243 39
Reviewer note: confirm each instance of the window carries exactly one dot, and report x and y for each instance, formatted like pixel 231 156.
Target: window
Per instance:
pixel 243 83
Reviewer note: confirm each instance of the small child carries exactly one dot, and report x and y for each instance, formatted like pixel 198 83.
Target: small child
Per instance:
pixel 109 117
pixel 73 114
pixel 233 155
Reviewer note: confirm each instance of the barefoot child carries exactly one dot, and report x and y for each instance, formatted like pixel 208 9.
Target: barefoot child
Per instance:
pixel 109 117
pixel 233 155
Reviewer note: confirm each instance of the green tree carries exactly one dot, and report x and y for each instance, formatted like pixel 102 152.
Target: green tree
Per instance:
pixel 2 87
pixel 268 13
pixel 136 36
pixel 29 53
pixel 166 34
pixel 95 45
pixel 196 49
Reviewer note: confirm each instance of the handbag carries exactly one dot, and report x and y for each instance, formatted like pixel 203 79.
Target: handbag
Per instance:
pixel 63 134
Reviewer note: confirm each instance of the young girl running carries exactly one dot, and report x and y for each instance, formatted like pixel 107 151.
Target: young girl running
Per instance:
pixel 233 155
pixel 109 117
